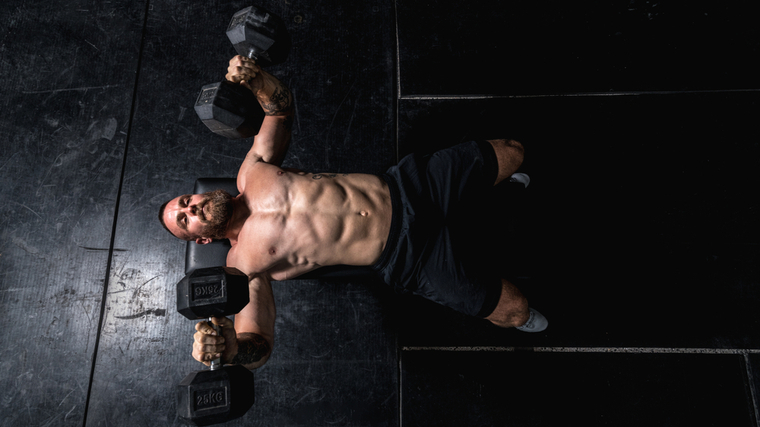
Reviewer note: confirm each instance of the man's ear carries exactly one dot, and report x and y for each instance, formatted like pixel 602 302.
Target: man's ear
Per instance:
pixel 203 240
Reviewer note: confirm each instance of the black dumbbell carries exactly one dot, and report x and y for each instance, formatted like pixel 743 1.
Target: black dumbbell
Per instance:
pixel 221 393
pixel 227 108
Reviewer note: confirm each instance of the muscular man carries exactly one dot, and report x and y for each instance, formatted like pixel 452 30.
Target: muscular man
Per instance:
pixel 285 223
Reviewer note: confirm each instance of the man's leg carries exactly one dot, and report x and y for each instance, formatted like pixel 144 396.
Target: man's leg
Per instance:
pixel 451 173
pixel 512 308
pixel 512 311
pixel 509 154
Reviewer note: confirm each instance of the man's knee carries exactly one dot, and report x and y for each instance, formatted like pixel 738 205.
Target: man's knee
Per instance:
pixel 509 154
pixel 512 309
pixel 509 143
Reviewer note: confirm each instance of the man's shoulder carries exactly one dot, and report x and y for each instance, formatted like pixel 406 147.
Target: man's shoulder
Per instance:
pixel 237 258
pixel 250 170
pixel 232 259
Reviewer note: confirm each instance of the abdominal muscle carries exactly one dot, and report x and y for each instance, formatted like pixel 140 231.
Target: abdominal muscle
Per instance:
pixel 348 215
pixel 325 219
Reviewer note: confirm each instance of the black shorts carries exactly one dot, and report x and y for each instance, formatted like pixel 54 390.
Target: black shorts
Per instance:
pixel 435 202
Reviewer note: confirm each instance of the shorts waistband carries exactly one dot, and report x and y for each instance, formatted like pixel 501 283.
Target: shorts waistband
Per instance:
pixel 396 213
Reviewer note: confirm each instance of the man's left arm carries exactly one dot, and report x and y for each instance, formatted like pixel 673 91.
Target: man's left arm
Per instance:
pixel 272 141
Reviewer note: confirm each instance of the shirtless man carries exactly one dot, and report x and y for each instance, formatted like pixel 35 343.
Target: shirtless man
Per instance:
pixel 285 223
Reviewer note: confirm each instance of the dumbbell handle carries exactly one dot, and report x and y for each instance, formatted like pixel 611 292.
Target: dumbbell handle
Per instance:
pixel 216 363
pixel 252 55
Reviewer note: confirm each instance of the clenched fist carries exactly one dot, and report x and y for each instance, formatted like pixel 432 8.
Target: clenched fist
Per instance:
pixel 209 345
pixel 244 70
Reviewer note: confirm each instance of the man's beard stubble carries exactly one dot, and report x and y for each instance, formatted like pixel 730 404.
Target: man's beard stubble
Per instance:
pixel 220 213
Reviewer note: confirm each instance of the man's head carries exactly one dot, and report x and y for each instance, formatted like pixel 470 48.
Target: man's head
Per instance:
pixel 200 217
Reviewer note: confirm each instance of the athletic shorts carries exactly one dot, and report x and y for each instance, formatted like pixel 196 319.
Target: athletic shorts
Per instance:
pixel 429 252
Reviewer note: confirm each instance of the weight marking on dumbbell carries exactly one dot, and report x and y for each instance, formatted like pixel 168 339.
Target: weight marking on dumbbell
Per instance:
pixel 209 399
pixel 206 96
pixel 207 291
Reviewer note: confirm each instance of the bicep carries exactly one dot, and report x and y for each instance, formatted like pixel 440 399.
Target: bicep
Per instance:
pixel 269 146
pixel 259 315
pixel 273 139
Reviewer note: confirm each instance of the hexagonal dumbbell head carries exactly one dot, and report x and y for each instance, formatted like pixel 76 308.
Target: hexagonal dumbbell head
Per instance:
pixel 229 109
pixel 213 397
pixel 260 35
pixel 212 292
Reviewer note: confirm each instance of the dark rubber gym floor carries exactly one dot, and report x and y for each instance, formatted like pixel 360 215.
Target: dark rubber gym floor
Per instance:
pixel 637 238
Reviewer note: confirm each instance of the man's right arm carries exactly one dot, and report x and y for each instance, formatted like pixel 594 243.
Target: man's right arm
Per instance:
pixel 250 339
pixel 255 325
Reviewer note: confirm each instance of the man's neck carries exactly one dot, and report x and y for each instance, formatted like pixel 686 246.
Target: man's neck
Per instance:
pixel 240 213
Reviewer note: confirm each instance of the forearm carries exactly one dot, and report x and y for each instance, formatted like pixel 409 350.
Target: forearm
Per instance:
pixel 274 136
pixel 275 98
pixel 253 350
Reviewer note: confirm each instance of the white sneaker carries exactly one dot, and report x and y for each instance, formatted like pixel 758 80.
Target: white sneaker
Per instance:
pixel 521 178
pixel 536 322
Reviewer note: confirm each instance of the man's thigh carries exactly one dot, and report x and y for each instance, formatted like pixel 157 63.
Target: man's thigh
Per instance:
pixel 462 173
pixel 452 274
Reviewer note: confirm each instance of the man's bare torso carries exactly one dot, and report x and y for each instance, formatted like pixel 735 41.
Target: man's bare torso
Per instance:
pixel 300 221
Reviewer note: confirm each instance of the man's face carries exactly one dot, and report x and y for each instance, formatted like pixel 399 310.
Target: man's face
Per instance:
pixel 199 216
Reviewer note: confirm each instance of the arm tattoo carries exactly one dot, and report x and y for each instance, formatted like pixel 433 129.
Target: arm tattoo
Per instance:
pixel 252 350
pixel 280 101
